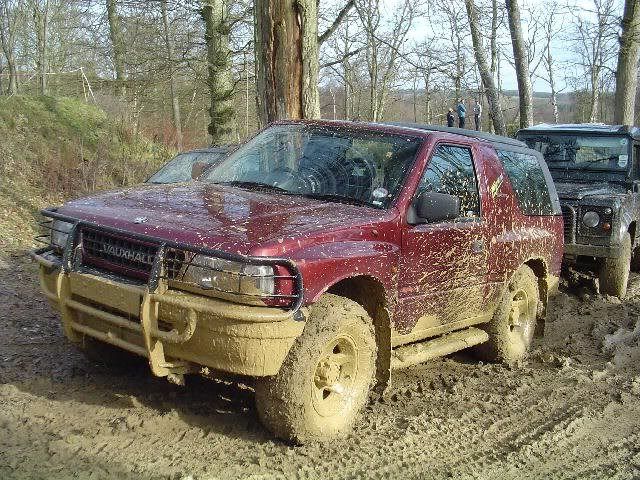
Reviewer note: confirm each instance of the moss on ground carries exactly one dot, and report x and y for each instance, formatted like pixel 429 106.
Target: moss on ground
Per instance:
pixel 52 149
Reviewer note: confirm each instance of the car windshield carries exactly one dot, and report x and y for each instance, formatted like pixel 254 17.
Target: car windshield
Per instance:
pixel 179 168
pixel 582 152
pixel 327 163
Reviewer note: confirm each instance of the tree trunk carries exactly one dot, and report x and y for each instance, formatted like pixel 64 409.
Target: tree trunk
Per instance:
pixel 286 48
pixel 495 58
pixel 595 97
pixel 118 47
pixel 13 75
pixel 627 71
pixel 41 23
pixel 175 101
pixel 552 82
pixel 10 21
pixel 521 64
pixel 487 79
pixel 220 80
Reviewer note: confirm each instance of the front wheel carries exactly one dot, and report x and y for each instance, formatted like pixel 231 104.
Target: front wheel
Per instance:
pixel 514 322
pixel 325 379
pixel 614 272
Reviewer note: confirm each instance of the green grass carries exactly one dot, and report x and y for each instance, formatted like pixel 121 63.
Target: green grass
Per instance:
pixel 52 149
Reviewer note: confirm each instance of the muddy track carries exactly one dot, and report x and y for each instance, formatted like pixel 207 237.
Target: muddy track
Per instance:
pixel 571 411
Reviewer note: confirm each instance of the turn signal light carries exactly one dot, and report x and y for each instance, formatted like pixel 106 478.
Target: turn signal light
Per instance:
pixel 606 226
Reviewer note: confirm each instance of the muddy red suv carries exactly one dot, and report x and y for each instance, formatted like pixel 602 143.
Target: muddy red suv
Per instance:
pixel 317 258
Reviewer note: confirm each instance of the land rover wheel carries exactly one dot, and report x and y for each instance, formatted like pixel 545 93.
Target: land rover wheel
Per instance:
pixel 513 324
pixel 107 355
pixel 325 379
pixel 614 272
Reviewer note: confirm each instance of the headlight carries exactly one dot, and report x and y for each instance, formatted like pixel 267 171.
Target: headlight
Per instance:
pixel 60 233
pixel 591 219
pixel 212 273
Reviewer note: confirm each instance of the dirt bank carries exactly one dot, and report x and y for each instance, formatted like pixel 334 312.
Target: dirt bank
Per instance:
pixel 571 411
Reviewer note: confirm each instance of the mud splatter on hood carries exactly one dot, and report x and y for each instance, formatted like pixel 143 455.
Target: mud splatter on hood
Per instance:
pixel 578 191
pixel 220 217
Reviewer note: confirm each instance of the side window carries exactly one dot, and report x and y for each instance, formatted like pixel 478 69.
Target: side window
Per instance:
pixel 451 171
pixel 528 182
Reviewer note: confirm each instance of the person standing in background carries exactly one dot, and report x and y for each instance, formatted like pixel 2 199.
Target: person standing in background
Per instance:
pixel 462 113
pixel 450 118
pixel 477 114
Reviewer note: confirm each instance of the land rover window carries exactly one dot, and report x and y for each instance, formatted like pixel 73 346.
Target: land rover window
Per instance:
pixel 528 182
pixel 451 171
pixel 582 152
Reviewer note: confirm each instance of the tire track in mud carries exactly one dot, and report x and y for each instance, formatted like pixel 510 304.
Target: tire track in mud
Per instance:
pixel 564 417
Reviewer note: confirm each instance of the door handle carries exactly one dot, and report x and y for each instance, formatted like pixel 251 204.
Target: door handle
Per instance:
pixel 477 246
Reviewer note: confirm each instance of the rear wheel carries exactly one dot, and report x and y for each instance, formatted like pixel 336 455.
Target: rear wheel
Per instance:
pixel 513 324
pixel 325 379
pixel 614 272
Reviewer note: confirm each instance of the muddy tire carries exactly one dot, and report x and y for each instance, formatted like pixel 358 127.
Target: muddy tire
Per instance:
pixel 107 355
pixel 325 380
pixel 614 272
pixel 513 324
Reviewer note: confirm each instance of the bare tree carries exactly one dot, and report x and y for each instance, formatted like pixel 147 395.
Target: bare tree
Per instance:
pixel 118 49
pixel 551 27
pixel 383 49
pixel 595 42
pixel 521 64
pixel 627 69
pixel 483 67
pixel 11 17
pixel 175 101
pixel 40 13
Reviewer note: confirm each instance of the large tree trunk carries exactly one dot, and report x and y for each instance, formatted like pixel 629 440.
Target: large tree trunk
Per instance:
pixel 286 47
pixel 118 47
pixel 627 71
pixel 220 81
pixel 521 63
pixel 175 101
pixel 487 78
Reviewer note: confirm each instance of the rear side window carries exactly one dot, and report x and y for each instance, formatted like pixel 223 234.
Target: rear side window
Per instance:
pixel 528 182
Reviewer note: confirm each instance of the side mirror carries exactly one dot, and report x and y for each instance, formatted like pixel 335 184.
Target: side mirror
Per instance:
pixel 198 169
pixel 435 207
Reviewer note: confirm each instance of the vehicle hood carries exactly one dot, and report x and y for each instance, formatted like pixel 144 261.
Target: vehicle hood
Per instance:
pixel 578 191
pixel 224 218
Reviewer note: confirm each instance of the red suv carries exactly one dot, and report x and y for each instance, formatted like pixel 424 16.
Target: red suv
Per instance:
pixel 316 258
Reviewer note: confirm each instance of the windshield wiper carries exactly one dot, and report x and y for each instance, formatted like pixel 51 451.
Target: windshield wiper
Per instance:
pixel 255 186
pixel 337 198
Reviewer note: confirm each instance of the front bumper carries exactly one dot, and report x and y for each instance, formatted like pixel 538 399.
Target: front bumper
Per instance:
pixel 608 251
pixel 178 332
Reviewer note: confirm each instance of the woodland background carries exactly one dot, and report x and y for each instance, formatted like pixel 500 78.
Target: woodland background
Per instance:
pixel 166 68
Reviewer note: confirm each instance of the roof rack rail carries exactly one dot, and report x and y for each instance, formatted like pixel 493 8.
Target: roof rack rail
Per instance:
pixel 489 137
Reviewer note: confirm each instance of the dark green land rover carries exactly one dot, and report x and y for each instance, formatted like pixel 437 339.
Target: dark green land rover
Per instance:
pixel 596 169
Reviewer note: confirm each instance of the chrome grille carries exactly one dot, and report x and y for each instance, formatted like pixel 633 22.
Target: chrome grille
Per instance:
pixel 111 252
pixel 569 216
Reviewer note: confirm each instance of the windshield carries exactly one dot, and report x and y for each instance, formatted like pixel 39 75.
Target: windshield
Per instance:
pixel 179 168
pixel 582 152
pixel 327 163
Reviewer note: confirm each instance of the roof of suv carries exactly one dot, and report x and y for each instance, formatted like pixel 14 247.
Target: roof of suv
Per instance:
pixel 597 128
pixel 488 137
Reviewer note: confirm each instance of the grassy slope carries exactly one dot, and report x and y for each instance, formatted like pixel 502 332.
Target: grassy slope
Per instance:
pixel 56 148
